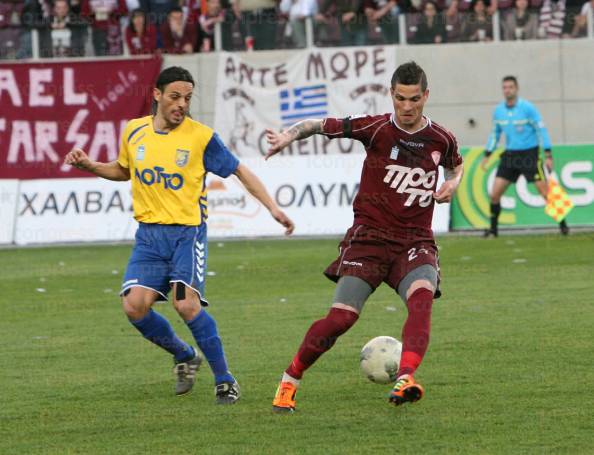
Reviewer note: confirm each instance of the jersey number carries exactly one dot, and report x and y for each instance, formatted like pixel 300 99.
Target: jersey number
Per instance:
pixel 412 253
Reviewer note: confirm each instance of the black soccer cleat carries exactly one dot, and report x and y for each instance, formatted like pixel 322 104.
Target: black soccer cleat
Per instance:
pixel 227 392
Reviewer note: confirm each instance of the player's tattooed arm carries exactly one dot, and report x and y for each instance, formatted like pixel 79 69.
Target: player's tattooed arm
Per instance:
pixel 304 129
pixel 448 188
pixel 300 130
pixel 454 174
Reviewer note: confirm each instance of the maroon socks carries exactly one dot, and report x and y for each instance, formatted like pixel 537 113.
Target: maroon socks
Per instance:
pixel 320 337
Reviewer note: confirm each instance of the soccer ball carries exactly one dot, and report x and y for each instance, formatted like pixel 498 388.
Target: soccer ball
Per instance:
pixel 380 359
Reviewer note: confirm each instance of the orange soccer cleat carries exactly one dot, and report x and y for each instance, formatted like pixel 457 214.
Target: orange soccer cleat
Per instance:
pixel 284 400
pixel 406 390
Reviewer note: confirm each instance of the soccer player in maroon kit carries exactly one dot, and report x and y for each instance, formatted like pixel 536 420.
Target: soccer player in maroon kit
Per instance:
pixel 391 239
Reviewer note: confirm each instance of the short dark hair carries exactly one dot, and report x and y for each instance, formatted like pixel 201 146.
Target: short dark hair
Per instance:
pixel 510 78
pixel 410 74
pixel 173 74
pixel 474 2
pixel 175 9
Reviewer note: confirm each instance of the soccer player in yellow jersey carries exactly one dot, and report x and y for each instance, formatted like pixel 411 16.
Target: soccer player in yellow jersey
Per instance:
pixel 167 157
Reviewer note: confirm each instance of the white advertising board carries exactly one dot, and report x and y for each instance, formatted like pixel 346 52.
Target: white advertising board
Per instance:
pixel 74 210
pixel 315 191
pixel 9 189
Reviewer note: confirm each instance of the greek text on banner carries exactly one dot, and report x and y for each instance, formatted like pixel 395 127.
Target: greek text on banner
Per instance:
pixel 47 109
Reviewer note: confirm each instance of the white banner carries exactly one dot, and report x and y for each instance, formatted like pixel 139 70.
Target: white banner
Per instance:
pixel 73 210
pixel 253 94
pixel 316 192
pixel 9 190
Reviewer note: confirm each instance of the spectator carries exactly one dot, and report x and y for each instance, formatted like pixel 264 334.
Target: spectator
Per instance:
pixel 478 25
pixel 234 27
pixel 157 10
pixel 552 19
pixel 178 37
pixel 326 24
pixel 105 24
pixel 452 7
pixel 431 29
pixel 213 15
pixel 131 6
pixel 580 27
pixel 411 6
pixel 35 15
pixel 192 10
pixel 261 18
pixel 520 23
pixel 385 14
pixel 141 37
pixel 351 20
pixel 298 11
pixel 65 33
pixel 10 28
pixel 454 19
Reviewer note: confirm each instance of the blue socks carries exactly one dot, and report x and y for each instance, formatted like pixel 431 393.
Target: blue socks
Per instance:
pixel 204 329
pixel 157 329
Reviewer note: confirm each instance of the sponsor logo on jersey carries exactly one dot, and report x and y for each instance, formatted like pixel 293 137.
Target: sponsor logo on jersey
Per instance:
pixel 156 176
pixel 415 182
pixel 394 153
pixel 182 157
pixel 356 264
pixel 140 153
pixel 412 144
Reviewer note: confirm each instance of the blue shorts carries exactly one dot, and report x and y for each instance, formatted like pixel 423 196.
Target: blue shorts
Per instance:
pixel 164 254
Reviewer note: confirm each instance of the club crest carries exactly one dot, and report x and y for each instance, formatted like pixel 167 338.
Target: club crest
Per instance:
pixel 436 156
pixel 182 157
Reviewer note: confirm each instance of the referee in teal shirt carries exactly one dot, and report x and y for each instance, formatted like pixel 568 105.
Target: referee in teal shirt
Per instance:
pixel 524 132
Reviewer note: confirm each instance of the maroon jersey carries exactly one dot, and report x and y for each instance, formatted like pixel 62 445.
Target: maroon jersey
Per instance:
pixel 400 171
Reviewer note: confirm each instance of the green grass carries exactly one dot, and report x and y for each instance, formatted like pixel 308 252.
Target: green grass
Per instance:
pixel 509 369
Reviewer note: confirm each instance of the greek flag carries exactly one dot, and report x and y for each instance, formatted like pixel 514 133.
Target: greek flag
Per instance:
pixel 301 103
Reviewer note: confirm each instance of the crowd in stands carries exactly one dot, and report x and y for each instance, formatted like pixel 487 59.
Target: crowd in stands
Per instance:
pixel 113 27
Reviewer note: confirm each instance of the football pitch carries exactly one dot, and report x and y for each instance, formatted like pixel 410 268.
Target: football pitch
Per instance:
pixel 509 368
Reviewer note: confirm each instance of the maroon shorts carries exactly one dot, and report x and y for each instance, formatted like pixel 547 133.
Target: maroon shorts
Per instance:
pixel 373 256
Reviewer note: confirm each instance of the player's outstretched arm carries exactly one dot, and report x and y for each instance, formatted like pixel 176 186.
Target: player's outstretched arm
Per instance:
pixel 448 188
pixel 257 189
pixel 299 130
pixel 109 171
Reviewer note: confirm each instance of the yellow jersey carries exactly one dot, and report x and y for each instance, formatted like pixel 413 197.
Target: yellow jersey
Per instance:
pixel 168 169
